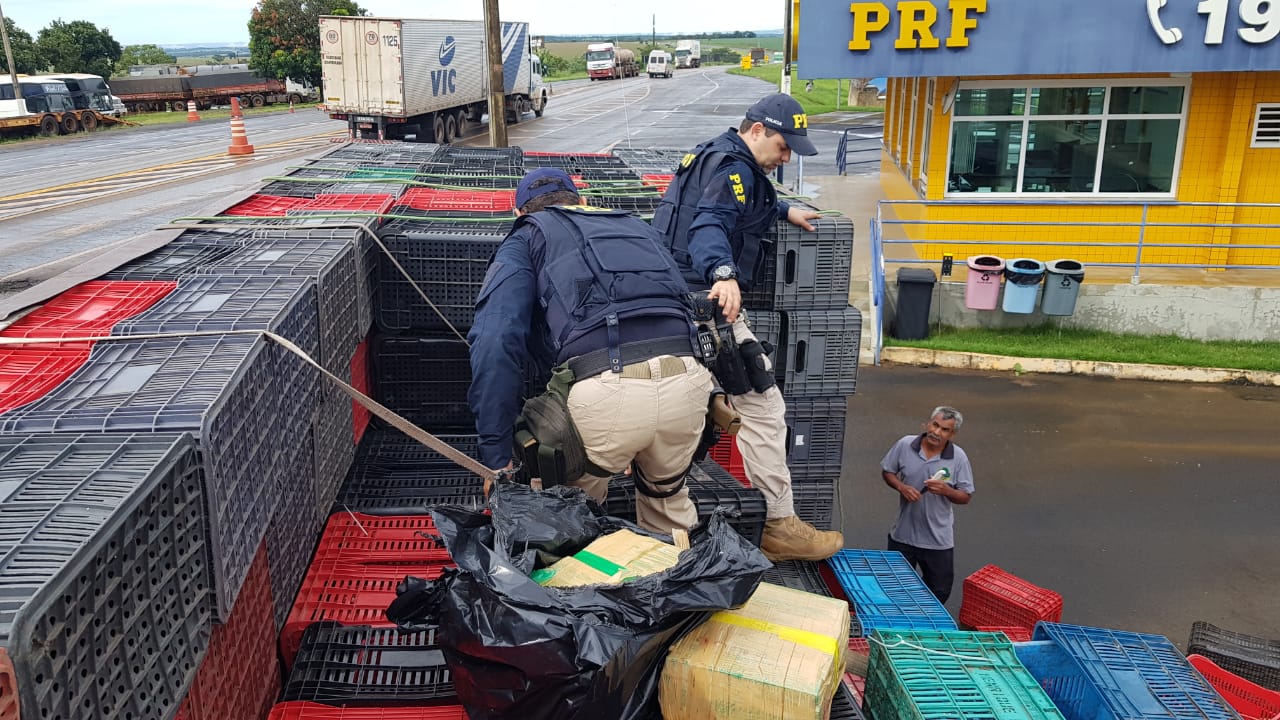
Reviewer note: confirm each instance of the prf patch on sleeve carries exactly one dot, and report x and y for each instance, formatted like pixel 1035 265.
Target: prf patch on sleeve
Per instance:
pixel 739 193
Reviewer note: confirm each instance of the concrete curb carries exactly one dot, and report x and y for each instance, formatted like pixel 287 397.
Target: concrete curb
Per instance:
pixel 1122 371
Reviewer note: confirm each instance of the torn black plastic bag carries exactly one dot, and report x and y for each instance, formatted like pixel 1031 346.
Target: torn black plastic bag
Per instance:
pixel 519 650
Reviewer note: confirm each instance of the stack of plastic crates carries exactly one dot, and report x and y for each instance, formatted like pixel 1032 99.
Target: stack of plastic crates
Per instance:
pixel 996 600
pixel 316 711
pixel 105 574
pixel 1253 658
pixel 886 593
pixel 185 255
pixel 951 675
pixel 710 487
pixel 393 473
pixel 1099 673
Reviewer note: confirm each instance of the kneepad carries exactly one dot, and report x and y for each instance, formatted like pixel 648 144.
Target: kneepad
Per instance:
pixel 757 366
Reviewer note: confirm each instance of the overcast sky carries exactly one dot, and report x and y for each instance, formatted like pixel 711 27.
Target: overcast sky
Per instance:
pixel 169 22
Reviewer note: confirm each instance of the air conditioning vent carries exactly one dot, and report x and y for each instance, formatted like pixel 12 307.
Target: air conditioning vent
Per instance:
pixel 1266 126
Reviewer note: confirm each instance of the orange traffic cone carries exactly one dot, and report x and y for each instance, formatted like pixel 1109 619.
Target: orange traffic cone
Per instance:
pixel 290 106
pixel 239 141
pixel 192 115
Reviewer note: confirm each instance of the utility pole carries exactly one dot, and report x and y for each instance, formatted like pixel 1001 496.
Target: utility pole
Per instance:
pixel 8 56
pixel 784 85
pixel 653 32
pixel 497 99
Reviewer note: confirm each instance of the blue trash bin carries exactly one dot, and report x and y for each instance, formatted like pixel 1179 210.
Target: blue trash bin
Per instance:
pixel 1022 285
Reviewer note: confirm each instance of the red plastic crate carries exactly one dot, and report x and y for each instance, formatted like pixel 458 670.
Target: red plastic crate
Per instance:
pixel 473 201
pixel 380 540
pixel 89 309
pixel 579 183
pixel 29 373
pixel 265 206
pixel 301 710
pixel 360 381
pixel 350 202
pixel 1015 634
pixel 659 181
pixel 995 598
pixel 240 676
pixel 860 645
pixel 857 685
pixel 725 453
pixel 348 593
pixel 1251 700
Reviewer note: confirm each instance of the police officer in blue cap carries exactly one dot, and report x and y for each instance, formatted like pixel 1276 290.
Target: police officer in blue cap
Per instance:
pixel 714 216
pixel 596 293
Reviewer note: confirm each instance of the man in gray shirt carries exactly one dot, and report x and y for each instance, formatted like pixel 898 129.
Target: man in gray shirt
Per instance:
pixel 930 473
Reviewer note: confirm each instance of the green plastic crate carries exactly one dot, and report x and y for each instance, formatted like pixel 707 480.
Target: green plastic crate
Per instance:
pixel 951 675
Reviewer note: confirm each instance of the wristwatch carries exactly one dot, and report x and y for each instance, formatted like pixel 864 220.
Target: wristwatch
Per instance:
pixel 724 272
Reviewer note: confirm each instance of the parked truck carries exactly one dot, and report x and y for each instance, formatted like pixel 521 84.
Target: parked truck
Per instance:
pixel 159 92
pixel 688 53
pixel 403 79
pixel 605 62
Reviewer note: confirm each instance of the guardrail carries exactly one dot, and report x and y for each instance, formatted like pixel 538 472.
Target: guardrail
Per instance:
pixel 1153 230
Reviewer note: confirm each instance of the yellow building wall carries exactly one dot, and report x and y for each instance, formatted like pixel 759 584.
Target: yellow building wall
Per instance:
pixel 1217 166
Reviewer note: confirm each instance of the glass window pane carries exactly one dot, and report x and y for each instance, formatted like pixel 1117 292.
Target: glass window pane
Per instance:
pixel 984 156
pixel 983 101
pixel 1139 155
pixel 1061 155
pixel 1147 100
pixel 1067 100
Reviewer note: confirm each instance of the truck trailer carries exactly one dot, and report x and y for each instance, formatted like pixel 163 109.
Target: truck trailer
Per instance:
pixel 160 92
pixel 392 78
pixel 606 62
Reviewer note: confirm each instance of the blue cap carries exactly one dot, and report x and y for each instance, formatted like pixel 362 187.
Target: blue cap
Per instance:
pixel 553 179
pixel 782 113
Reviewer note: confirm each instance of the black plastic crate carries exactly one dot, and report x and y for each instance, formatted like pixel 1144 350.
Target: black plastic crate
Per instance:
pixel 712 486
pixel 329 257
pixel 366 187
pixel 226 390
pixel 383 152
pixel 366 260
pixel 363 665
pixel 815 502
pixel 493 178
pixel 395 472
pixel 804 270
pixel 844 706
pixel 293 530
pixel 651 160
pixel 770 327
pixel 641 203
pixel 798 575
pixel 457 154
pixel 424 379
pixel 406 219
pixel 172 261
pixel 821 352
pixel 283 305
pixel 325 171
pixel 449 268
pixel 815 437
pixel 1253 658
pixel 296 189
pixel 391 453
pixel 215 236
pixel 105 573
pixel 335 448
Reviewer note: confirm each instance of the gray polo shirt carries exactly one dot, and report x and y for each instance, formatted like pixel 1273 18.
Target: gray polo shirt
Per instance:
pixel 926 523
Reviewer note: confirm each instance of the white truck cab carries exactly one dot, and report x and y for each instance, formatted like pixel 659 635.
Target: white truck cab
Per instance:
pixel 659 64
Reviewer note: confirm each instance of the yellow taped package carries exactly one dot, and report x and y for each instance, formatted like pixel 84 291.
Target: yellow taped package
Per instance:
pixel 609 560
pixel 778 657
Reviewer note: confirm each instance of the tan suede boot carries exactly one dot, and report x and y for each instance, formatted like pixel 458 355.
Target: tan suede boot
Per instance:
pixel 791 538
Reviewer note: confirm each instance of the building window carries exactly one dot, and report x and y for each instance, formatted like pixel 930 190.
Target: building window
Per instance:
pixel 1104 137
pixel 930 88
pixel 911 133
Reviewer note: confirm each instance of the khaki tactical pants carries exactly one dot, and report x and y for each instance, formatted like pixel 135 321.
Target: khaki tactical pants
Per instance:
pixel 762 439
pixel 652 412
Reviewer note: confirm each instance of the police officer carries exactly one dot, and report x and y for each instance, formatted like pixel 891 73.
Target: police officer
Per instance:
pixel 598 290
pixel 714 216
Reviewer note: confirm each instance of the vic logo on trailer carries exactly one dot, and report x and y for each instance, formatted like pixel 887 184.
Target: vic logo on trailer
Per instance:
pixel 444 82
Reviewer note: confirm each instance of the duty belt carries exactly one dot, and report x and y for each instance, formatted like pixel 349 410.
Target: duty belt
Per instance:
pixel 598 361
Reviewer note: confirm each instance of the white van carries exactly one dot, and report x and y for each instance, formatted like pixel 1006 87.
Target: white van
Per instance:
pixel 659 64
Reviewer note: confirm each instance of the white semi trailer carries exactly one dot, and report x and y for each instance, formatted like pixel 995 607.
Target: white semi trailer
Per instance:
pixel 399 78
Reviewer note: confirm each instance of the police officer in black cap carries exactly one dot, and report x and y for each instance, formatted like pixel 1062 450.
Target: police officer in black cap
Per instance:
pixel 596 293
pixel 714 216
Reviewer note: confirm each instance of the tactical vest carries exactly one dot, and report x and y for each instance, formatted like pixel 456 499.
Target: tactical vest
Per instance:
pixel 601 268
pixel 675 214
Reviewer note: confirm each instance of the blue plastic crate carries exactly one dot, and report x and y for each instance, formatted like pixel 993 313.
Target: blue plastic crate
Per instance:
pixel 887 593
pixel 104 571
pixel 1093 673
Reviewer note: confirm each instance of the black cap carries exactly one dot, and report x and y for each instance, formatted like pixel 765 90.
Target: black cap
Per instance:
pixel 555 180
pixel 782 113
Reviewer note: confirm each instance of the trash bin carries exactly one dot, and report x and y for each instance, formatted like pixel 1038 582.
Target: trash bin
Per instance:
pixel 982 287
pixel 1022 282
pixel 915 296
pixel 1061 287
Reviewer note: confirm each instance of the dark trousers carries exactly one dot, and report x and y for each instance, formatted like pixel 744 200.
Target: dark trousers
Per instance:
pixel 937 567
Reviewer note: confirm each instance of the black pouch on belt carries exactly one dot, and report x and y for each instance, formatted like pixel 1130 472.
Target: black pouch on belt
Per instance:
pixel 547 442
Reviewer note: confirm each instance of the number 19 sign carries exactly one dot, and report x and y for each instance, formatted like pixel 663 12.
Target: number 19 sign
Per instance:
pixel 1258 21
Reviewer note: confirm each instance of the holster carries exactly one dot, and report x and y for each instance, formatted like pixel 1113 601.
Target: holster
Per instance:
pixel 756 364
pixel 719 349
pixel 722 419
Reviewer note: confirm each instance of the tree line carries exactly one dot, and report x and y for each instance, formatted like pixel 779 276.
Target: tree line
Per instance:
pixel 78 46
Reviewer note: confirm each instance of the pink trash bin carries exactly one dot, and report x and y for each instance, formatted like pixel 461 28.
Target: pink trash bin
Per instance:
pixel 982 288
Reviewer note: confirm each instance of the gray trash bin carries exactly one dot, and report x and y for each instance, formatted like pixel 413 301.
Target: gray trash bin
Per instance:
pixel 915 296
pixel 1061 287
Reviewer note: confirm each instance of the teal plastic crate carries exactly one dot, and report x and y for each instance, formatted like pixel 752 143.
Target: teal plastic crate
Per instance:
pixel 951 675
pixel 1097 674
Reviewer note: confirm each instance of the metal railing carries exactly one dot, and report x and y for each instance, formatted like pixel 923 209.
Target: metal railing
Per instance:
pixel 1141 228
